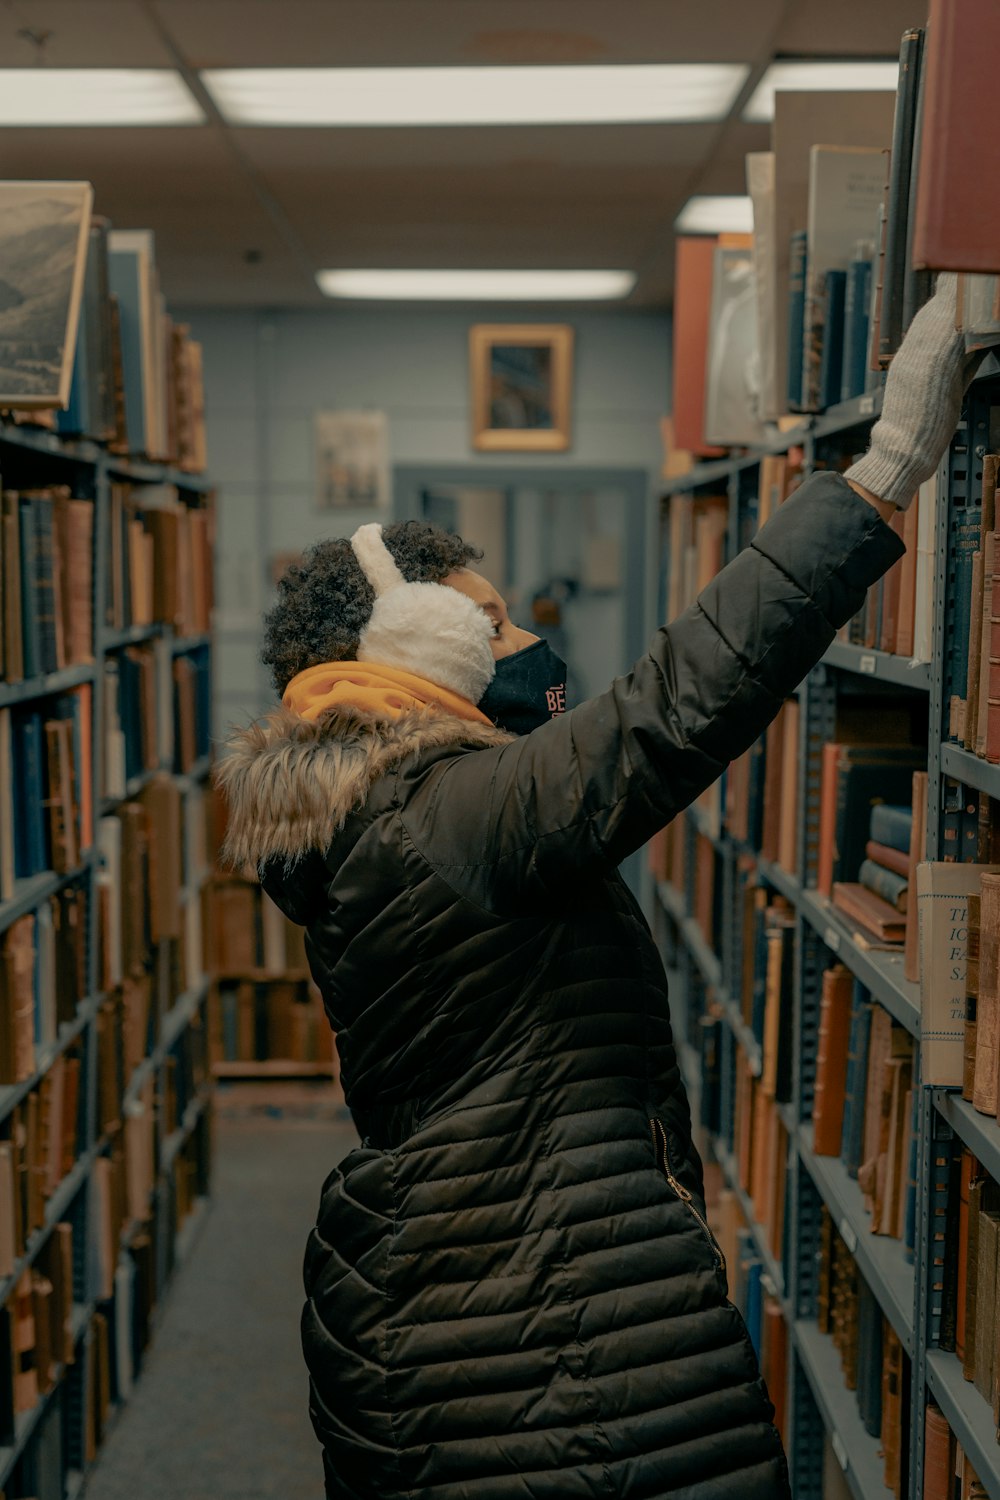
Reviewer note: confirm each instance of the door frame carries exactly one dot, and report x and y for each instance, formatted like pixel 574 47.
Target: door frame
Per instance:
pixel 409 480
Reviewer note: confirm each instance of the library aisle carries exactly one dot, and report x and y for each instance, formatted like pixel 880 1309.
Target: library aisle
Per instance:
pixel 221 1410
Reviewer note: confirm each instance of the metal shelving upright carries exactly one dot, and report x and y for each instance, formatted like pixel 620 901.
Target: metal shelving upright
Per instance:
pixel 909 1294
pixel 31 459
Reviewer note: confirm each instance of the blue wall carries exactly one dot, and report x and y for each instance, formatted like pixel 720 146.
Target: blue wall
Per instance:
pixel 267 373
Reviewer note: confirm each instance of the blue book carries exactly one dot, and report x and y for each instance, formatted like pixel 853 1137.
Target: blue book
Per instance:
pixel 892 824
pixel 28 755
pixel 796 316
pixel 45 588
pixel 857 295
pixel 68 706
pixel 885 883
pixel 755 808
pixel 73 421
pixel 759 993
pixel 832 356
pixel 125 283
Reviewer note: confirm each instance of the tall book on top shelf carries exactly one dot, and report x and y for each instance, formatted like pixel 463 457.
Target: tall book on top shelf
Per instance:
pixel 105 1078
pixel 829 914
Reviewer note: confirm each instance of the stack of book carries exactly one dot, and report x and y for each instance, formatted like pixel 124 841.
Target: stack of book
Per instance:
pixel 46 582
pixel 873 1360
pixel 895 616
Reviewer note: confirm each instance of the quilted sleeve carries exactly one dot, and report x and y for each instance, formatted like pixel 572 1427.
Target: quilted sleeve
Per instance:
pixel 508 825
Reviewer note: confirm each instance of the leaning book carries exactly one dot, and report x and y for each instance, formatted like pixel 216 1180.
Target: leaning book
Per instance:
pixel 943 891
pixel 44 229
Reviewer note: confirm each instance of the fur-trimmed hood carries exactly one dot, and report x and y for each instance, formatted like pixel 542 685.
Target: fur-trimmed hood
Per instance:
pixel 290 783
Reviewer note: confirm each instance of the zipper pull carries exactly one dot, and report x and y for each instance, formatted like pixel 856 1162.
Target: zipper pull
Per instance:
pixel 679 1188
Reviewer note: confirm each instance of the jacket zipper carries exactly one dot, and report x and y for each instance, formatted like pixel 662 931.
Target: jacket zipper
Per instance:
pixel 663 1161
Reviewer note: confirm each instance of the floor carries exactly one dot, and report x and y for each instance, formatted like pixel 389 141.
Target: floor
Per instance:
pixel 220 1410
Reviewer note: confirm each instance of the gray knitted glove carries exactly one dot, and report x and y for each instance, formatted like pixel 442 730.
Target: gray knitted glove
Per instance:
pixel 922 402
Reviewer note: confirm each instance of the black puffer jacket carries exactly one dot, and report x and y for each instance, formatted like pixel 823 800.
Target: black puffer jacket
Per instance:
pixel 512 1291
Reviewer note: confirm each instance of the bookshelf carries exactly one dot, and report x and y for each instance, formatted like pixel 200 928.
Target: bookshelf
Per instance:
pixel 708 981
pixel 126 1207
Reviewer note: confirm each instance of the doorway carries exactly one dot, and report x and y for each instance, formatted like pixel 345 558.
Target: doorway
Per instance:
pixel 565 547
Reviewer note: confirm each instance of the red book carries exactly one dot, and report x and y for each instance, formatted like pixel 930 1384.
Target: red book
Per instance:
pixel 831 1060
pixel 889 859
pixel 957 226
pixel 692 308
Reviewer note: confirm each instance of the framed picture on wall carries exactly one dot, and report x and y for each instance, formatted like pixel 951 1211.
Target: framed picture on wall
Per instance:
pixel 522 379
pixel 352 460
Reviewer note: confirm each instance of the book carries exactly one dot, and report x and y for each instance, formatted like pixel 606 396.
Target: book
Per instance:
pixel 43 255
pixel 884 883
pixel 943 890
pixel 891 327
pixel 693 266
pixel 798 256
pixel 892 825
pixel 985 1067
pixel 956 225
pixel 832 1060
pixel 856 1078
pixel 887 858
pixel 730 400
pixel 971 995
pixel 869 912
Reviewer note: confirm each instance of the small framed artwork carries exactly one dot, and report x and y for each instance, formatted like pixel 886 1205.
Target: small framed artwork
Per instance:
pixel 352 460
pixel 522 379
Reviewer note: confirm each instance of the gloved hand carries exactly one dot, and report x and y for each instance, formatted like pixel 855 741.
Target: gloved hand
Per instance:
pixel 922 402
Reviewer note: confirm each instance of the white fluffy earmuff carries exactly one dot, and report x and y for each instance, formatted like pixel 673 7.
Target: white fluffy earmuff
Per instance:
pixel 424 628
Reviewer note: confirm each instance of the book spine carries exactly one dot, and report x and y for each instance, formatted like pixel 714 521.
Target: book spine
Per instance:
pixel 796 316
pixel 884 883
pixel 832 355
pixel 30 634
pixel 857 295
pixel 891 328
pixel 971 998
pixel 984 1095
pixel 892 825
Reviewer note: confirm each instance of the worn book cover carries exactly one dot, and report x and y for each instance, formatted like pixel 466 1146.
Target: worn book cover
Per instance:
pixel 943 891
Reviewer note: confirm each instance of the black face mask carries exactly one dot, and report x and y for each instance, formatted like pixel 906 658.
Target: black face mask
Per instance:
pixel 529 688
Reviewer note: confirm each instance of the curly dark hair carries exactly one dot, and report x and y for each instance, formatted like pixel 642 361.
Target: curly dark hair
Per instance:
pixel 324 601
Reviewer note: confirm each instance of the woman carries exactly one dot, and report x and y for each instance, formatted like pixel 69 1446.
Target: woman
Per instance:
pixel 512 1289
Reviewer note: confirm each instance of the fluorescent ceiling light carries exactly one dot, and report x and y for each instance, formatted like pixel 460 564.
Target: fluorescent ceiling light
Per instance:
pixel 96 96
pixel 715 215
pixel 818 77
pixel 477 286
pixel 476 96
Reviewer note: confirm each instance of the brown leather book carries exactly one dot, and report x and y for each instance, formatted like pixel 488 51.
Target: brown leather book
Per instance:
pixel 986 1277
pixel 957 221
pixel 879 1052
pixel 23 1331
pixel 896 1168
pixel 939 1455
pixel 788 824
pixel 831 1060
pixel 829 760
pixel 185 727
pixel 976 724
pixel 962 1279
pixel 163 523
pixel 164 807
pixel 907 582
pixel 874 916
pixel 890 859
pixel 17 1034
pixel 62 811
pixel 13 639
pixel 823 1307
pixel 892 1409
pixel 988 1002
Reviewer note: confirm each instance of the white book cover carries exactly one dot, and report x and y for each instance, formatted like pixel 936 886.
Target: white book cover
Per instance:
pixel 943 891
pixel 924 601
